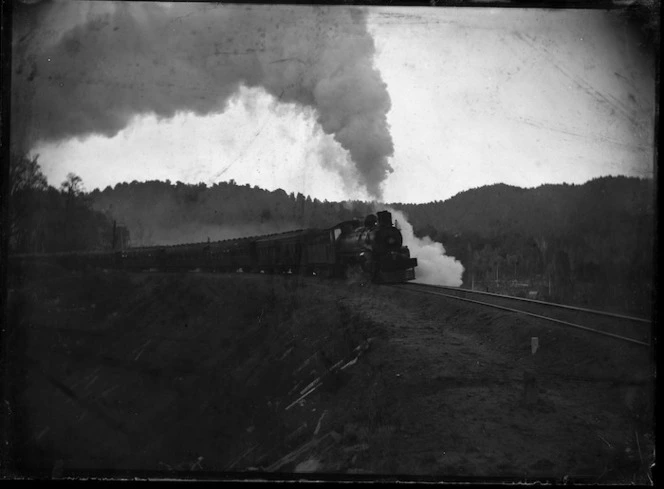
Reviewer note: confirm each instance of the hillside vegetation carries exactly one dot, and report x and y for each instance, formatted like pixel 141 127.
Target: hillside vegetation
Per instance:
pixel 589 244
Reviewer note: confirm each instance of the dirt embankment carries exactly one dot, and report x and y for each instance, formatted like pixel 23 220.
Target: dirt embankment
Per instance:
pixel 190 372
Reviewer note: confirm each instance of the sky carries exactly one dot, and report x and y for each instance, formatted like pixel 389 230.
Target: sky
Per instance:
pixel 395 104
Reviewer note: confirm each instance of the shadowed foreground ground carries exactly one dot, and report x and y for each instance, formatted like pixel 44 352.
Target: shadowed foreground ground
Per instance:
pixel 222 373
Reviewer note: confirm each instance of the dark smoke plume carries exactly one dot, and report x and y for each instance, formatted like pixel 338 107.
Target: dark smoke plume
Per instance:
pixel 120 60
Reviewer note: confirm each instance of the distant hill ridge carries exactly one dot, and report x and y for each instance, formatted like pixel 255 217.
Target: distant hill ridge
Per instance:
pixel 582 244
pixel 589 244
pixel 603 205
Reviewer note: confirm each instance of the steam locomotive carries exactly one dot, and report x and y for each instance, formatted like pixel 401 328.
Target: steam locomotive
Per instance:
pixel 372 250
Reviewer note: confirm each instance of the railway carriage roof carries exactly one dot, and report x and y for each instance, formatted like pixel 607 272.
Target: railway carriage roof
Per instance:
pixel 224 244
pixel 287 235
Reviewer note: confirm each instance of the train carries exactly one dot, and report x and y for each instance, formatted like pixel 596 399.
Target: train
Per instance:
pixel 372 250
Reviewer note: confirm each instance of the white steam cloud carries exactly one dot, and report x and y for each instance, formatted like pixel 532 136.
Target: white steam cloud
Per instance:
pixel 433 265
pixel 97 68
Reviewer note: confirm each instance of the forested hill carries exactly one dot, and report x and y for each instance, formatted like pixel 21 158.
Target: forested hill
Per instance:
pixel 163 213
pixel 618 210
pixel 601 206
pixel 588 244
pixel 599 233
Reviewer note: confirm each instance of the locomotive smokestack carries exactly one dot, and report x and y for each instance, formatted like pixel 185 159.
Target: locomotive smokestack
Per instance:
pixel 84 68
pixel 384 219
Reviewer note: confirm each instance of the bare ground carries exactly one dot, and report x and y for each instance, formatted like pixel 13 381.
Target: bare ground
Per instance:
pixel 201 373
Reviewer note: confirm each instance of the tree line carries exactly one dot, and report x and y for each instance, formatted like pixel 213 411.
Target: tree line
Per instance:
pixel 586 244
pixel 45 219
pixel 590 244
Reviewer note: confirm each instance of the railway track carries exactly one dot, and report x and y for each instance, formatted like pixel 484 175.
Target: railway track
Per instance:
pixel 620 327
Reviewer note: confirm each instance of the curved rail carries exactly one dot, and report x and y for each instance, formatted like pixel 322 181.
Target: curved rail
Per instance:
pixel 533 301
pixel 436 290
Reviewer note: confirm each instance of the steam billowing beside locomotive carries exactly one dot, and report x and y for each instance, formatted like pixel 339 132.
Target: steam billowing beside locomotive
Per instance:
pixel 373 249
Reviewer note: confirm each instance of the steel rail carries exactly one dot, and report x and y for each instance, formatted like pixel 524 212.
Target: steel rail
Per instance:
pixel 533 301
pixel 509 309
